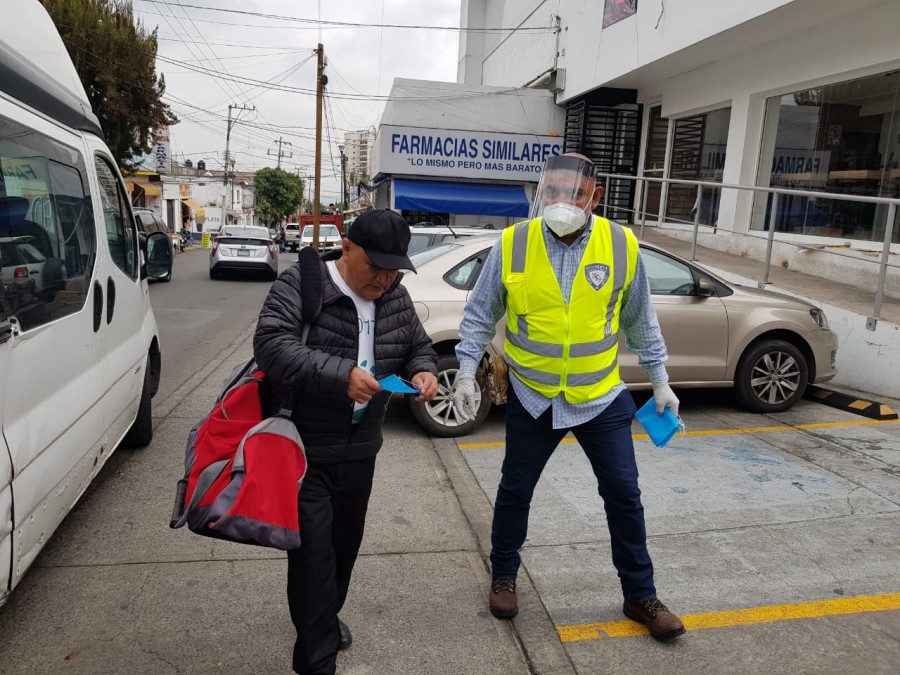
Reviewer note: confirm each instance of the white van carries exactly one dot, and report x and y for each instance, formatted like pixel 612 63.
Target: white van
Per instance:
pixel 79 346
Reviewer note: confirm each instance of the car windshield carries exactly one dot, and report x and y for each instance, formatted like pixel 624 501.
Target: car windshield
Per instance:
pixel 246 232
pixel 430 254
pixel 324 231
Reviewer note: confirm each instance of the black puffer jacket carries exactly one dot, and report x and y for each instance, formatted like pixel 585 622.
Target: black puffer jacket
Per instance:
pixel 319 372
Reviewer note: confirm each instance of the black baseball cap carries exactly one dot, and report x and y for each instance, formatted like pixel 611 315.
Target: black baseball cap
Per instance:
pixel 384 236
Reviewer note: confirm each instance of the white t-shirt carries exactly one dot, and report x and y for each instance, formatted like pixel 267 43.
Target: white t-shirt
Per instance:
pixel 365 313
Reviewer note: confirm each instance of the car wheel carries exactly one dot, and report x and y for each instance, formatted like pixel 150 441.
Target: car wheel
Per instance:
pixel 771 376
pixel 438 417
pixel 141 432
pixel 214 275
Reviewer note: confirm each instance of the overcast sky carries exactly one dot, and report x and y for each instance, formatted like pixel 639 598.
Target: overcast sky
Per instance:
pixel 362 62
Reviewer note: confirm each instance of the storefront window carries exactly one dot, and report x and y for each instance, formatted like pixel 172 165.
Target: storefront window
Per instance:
pixel 698 153
pixel 655 158
pixel 842 138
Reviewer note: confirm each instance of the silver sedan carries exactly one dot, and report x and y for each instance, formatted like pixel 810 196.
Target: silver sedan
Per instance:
pixel 243 249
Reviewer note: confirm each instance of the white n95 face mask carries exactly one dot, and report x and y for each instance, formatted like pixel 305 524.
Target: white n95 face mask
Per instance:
pixel 564 219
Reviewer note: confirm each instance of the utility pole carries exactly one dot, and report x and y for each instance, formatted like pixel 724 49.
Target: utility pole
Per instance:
pixel 321 81
pixel 228 161
pixel 281 154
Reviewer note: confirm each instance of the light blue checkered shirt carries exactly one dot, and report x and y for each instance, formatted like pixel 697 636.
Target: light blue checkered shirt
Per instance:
pixel 637 319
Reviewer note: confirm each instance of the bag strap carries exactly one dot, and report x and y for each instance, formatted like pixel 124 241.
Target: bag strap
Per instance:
pixel 312 296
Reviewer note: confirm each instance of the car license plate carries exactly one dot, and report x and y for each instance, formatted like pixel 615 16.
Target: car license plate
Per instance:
pixel 247 253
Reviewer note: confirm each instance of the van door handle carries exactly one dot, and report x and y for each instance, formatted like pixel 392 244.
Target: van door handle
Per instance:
pixel 98 305
pixel 110 299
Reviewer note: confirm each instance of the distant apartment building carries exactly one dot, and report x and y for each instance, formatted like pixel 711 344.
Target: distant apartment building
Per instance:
pixel 358 149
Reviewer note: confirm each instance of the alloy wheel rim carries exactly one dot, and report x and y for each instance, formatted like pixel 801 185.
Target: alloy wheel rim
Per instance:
pixel 775 377
pixel 441 408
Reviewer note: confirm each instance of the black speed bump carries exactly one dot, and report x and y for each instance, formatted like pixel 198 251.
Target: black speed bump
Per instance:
pixel 861 406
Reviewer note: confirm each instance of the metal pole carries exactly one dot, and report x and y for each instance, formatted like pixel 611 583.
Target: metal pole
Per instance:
pixel 606 199
pixel 320 85
pixel 645 189
pixel 696 222
pixel 872 321
pixel 772 218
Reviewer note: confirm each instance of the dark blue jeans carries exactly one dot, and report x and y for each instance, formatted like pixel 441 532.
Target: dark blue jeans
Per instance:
pixel 606 441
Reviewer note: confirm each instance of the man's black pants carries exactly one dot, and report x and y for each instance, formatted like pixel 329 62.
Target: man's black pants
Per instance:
pixel 333 503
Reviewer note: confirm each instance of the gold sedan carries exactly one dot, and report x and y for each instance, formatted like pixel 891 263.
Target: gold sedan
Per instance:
pixel 766 345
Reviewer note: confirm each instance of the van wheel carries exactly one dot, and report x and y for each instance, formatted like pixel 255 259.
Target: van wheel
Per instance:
pixel 438 417
pixel 771 376
pixel 141 432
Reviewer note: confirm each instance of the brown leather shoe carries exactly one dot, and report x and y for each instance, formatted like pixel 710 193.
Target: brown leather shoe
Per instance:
pixel 502 599
pixel 656 616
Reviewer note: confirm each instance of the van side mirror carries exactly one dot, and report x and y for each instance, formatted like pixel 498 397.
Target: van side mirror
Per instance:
pixel 157 255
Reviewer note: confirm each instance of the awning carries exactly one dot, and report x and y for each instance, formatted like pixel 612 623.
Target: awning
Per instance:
pixel 462 198
pixel 129 185
pixel 150 189
pixel 191 204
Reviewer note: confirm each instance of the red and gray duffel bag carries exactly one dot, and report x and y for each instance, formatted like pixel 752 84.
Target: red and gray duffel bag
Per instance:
pixel 243 471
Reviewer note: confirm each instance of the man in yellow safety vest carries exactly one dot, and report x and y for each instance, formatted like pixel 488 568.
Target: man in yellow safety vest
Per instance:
pixel 568 281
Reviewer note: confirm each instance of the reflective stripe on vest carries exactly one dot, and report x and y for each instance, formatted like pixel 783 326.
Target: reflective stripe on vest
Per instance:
pixel 544 348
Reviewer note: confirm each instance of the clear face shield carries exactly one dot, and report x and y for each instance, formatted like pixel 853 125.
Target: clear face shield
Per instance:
pixel 565 194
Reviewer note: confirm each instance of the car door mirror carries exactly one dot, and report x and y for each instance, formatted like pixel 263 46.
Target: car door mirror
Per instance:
pixel 158 256
pixel 705 287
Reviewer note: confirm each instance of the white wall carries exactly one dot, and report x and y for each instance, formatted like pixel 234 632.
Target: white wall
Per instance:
pixel 443 105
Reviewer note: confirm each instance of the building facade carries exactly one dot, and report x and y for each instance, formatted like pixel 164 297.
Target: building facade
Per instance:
pixel 453 154
pixel 803 94
pixel 358 147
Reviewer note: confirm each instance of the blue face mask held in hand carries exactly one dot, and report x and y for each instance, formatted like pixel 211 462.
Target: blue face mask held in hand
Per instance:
pixel 397 385
pixel 660 428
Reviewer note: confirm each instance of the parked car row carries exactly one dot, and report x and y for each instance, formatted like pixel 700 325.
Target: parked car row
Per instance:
pixel 766 345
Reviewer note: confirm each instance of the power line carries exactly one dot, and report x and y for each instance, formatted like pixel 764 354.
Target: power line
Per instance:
pixel 321 22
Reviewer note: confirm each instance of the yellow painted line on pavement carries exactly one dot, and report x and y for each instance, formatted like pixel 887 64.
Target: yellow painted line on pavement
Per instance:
pixel 739 617
pixel 714 432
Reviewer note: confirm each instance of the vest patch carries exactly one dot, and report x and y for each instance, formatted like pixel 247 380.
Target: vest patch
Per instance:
pixel 596 274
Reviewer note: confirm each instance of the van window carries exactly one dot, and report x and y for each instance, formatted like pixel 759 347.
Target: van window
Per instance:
pixel 47 242
pixel 120 233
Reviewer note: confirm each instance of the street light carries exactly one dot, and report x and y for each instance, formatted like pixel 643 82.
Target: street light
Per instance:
pixel 343 178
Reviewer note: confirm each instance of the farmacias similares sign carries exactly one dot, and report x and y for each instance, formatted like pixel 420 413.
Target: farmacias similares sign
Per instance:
pixel 420 151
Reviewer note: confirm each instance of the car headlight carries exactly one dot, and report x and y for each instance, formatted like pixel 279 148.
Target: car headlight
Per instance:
pixel 819 317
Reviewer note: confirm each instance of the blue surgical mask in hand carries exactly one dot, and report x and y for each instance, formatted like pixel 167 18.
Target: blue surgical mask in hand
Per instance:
pixel 397 385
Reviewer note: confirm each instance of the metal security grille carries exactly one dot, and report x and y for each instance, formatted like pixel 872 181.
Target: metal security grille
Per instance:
pixel 609 136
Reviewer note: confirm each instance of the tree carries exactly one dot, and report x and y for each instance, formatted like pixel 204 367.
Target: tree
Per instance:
pixel 116 61
pixel 278 194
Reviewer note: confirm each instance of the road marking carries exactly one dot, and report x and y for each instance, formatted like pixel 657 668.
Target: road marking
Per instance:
pixel 713 432
pixel 739 617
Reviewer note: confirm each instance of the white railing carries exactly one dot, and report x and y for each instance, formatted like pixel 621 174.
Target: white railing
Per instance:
pixel 641 217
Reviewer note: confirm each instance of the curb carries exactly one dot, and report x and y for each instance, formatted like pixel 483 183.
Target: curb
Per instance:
pixel 859 406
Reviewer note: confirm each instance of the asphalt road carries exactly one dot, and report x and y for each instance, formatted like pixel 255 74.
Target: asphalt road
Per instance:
pixel 199 317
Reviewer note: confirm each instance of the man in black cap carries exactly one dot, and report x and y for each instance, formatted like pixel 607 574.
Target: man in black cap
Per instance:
pixel 366 329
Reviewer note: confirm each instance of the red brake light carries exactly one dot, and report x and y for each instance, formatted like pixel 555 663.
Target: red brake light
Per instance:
pixel 215 245
pixel 20 273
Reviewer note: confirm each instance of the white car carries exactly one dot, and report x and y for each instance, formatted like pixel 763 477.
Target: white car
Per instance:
pixel 329 237
pixel 426 235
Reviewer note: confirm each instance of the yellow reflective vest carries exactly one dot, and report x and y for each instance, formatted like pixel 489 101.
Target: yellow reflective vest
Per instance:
pixel 554 346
